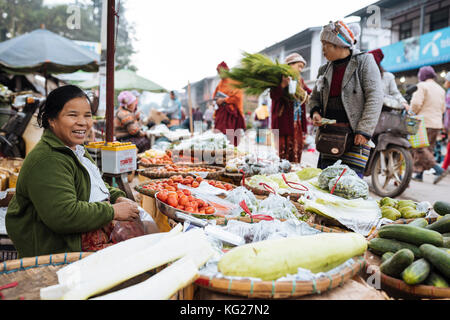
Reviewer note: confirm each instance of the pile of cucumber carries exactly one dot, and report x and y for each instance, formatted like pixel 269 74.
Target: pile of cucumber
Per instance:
pixel 395 209
pixel 417 253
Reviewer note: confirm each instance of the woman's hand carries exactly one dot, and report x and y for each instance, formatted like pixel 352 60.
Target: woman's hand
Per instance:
pixel 123 199
pixel 360 140
pixel 317 119
pixel 126 211
pixel 285 82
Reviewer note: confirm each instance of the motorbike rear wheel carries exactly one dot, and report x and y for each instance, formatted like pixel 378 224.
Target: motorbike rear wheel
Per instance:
pixel 397 171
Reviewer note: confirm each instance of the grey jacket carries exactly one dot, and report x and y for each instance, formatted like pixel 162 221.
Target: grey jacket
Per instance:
pixel 362 92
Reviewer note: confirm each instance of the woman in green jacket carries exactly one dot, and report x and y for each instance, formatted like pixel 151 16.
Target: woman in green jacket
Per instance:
pixel 60 196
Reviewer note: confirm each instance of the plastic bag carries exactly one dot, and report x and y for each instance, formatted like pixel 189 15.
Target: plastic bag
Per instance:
pixel 349 187
pixel 124 230
pixel 277 207
pixel 332 172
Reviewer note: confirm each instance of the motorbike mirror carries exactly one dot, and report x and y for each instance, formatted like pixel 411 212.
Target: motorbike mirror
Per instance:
pixel 410 90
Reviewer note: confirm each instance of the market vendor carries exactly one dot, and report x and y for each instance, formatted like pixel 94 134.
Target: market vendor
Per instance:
pixel 61 203
pixel 126 122
pixel 230 113
pixel 349 90
pixel 287 116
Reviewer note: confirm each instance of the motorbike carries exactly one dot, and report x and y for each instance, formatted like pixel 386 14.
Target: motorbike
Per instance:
pixel 390 163
pixel 19 134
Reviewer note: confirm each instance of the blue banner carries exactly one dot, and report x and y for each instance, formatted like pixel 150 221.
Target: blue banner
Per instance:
pixel 428 49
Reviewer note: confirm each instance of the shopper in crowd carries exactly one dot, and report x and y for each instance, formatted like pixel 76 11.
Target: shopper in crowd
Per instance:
pixel 446 163
pixel 208 116
pixel 126 122
pixel 287 112
pixel 261 120
pixel 174 110
pixel 61 203
pixel 388 81
pixel 428 101
pixel 349 90
pixel 230 113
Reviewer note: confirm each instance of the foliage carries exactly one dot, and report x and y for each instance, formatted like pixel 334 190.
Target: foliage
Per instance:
pixel 20 16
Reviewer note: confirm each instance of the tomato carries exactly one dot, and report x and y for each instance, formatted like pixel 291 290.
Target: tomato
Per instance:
pixel 228 186
pixel 189 209
pixel 195 184
pixel 180 207
pixel 185 181
pixel 202 211
pixel 183 200
pixel 187 192
pixel 162 196
pixel 170 188
pixel 191 198
pixel 199 179
pixel 172 201
pixel 201 203
pixel 209 210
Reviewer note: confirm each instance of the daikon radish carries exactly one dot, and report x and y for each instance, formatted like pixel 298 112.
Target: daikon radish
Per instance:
pixel 167 282
pixel 165 251
pixel 71 274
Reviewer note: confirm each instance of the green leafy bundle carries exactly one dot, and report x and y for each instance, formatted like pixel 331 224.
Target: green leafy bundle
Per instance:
pixel 257 72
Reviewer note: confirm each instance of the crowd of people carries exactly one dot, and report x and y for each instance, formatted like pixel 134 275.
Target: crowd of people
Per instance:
pixel 62 204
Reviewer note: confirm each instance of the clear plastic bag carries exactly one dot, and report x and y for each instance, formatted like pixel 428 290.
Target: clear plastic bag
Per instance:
pixel 349 187
pixel 332 172
pixel 124 230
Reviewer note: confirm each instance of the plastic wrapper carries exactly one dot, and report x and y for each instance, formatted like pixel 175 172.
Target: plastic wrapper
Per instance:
pixel 124 230
pixel 332 172
pixel 349 187
pixel 277 207
pixel 240 194
pixel 265 230
pixel 308 173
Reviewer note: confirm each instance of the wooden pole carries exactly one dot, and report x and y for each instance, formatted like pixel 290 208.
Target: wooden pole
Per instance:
pixel 191 122
pixel 110 72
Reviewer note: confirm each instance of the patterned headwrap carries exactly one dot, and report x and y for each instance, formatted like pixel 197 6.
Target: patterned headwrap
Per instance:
pixel 126 98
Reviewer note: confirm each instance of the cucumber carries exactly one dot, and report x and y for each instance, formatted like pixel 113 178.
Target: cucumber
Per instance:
pixel 442 225
pixel 395 265
pixel 446 242
pixel 445 249
pixel 437 257
pixel 421 222
pixel 417 272
pixel 386 256
pixel 411 234
pixel 436 280
pixel 442 207
pixel 380 246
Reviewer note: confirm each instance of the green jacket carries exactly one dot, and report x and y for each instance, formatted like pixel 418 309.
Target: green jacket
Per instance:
pixel 51 207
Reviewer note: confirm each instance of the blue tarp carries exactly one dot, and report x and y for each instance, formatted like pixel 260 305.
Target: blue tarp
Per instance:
pixel 428 49
pixel 43 51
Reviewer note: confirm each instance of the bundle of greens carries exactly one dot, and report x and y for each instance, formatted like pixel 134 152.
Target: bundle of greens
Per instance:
pixel 258 73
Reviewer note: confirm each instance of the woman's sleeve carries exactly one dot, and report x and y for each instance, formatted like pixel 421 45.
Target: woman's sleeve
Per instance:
pixel 314 104
pixel 417 99
pixel 114 193
pixel 393 91
pixel 373 96
pixel 51 189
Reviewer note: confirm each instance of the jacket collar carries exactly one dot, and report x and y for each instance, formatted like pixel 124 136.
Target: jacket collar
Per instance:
pixel 54 142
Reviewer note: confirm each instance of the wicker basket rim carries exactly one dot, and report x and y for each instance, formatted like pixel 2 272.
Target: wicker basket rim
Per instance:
pixel 290 288
pixel 10 266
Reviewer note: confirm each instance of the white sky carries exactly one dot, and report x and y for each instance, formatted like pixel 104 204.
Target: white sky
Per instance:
pixel 184 40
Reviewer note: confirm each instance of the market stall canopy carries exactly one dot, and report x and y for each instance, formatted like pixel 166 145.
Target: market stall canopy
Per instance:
pixel 45 52
pixel 126 80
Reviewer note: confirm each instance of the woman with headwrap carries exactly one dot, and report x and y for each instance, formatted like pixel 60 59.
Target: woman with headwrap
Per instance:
pixel 287 115
pixel 230 114
pixel 348 89
pixel 428 101
pixel 126 122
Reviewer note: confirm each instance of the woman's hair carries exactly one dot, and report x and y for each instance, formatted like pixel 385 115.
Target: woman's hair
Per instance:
pixel 55 103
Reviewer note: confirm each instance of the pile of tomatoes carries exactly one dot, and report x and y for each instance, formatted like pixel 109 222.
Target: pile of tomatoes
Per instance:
pixel 183 200
pixel 183 169
pixel 171 184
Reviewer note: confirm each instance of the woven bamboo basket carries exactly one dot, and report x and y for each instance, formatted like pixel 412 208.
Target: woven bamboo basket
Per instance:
pixel 31 274
pixel 165 174
pixel 397 287
pixel 278 289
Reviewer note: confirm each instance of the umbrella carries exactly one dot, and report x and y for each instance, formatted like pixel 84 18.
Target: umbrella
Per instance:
pixel 45 52
pixel 126 80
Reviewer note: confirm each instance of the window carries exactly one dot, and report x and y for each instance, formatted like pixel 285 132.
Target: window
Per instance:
pixel 405 30
pixel 439 19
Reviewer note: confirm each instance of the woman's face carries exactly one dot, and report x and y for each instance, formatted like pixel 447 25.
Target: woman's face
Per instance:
pixel 132 107
pixel 298 66
pixel 73 122
pixel 330 51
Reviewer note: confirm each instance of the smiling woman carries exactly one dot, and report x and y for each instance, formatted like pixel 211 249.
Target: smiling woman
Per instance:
pixel 61 202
